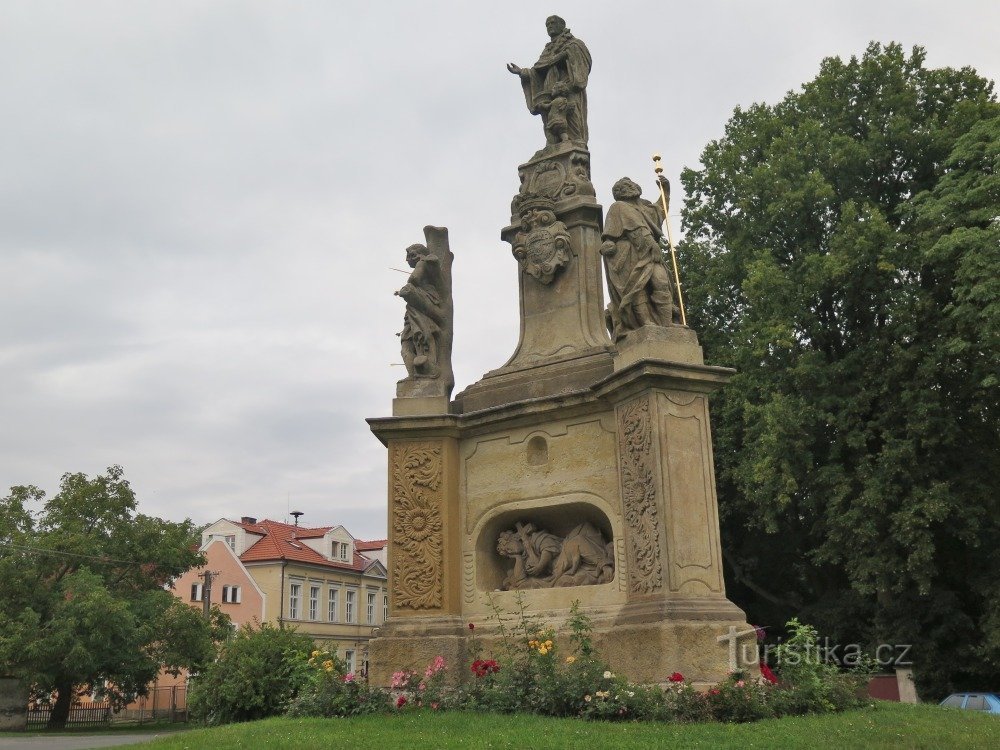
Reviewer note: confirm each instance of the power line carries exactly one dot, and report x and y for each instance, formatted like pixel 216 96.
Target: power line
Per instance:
pixel 45 551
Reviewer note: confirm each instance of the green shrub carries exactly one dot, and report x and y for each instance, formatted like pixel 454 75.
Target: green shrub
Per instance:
pixel 258 672
pixel 808 682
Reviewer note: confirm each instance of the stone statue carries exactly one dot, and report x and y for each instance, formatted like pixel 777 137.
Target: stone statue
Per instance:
pixel 427 324
pixel 639 285
pixel 555 87
pixel 544 560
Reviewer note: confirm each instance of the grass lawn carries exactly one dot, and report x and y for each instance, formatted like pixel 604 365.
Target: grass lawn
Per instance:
pixel 891 725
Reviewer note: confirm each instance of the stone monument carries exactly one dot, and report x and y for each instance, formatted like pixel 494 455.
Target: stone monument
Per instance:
pixel 581 469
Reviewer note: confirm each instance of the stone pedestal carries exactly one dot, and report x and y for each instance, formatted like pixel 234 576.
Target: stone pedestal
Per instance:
pixel 564 343
pixel 630 454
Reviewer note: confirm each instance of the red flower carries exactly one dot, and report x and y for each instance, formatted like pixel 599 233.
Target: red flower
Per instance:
pixel 472 626
pixel 483 667
pixel 400 701
pixel 713 691
pixel 676 677
pixel 767 674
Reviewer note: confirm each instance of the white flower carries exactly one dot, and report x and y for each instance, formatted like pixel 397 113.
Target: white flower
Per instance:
pixel 631 694
pixel 608 675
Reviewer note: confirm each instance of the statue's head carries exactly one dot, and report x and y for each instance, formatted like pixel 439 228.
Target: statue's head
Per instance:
pixel 625 189
pixel 509 545
pixel 414 253
pixel 555 26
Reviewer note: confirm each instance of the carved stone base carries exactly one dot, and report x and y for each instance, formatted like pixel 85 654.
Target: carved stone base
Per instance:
pixel 419 406
pixel 413 643
pixel 628 452
pixel 647 644
pixel 418 387
pixel 668 344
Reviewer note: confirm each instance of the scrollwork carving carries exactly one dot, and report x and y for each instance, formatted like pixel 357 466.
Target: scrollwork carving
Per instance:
pixel 639 497
pixel 417 524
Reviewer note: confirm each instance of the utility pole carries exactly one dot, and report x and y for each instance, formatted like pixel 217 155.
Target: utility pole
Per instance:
pixel 206 593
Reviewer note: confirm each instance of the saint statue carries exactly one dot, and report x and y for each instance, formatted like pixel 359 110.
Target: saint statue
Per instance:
pixel 555 87
pixel 639 285
pixel 426 337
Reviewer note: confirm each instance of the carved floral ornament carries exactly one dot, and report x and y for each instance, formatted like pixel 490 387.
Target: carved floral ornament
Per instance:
pixel 639 497
pixel 542 246
pixel 416 502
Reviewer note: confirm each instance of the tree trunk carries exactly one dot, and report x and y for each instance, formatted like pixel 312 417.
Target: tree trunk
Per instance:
pixel 60 709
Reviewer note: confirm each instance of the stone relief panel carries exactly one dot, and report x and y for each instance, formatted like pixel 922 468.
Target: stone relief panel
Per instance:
pixel 642 521
pixel 541 559
pixel 689 486
pixel 417 524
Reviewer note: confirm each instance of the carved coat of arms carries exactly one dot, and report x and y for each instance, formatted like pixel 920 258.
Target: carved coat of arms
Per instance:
pixel 542 247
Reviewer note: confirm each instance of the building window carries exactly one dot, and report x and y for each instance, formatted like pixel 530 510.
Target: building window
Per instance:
pixel 385 608
pixel 197 592
pixel 231 594
pixel 314 602
pixel 370 608
pixel 334 546
pixel 349 658
pixel 231 541
pixel 294 599
pixel 344 550
pixel 333 605
pixel 349 614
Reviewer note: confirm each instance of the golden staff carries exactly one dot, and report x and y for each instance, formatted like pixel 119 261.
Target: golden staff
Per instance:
pixel 670 237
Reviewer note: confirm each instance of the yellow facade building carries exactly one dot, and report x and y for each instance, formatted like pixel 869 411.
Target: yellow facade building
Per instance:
pixel 322 581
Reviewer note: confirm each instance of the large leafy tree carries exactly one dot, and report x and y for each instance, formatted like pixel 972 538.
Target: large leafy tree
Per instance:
pixel 84 583
pixel 843 252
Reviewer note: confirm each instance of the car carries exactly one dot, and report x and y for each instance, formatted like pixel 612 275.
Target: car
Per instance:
pixel 986 702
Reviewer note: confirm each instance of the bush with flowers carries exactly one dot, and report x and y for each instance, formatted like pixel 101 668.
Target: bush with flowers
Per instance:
pixel 409 689
pixel 330 690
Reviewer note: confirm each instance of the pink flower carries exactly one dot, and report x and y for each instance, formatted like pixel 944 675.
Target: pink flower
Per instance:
pixel 349 677
pixel 740 683
pixel 422 686
pixel 400 701
pixel 434 706
pixel 399 679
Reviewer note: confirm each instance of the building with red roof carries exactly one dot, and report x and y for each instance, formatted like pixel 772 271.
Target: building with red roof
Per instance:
pixel 321 580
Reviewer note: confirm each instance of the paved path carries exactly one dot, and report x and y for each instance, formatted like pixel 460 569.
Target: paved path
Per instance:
pixel 76 741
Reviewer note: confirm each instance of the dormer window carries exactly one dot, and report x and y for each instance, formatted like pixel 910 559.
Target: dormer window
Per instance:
pixel 344 551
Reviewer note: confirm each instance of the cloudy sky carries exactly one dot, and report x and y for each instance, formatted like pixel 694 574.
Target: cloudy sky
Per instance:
pixel 201 204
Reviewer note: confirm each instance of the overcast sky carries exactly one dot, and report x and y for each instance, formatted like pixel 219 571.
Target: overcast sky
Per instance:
pixel 201 202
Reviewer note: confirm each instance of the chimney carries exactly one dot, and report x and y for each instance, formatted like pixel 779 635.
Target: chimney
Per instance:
pixel 248 519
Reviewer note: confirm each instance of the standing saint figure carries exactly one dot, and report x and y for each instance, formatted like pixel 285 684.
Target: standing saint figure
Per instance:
pixel 559 76
pixel 639 285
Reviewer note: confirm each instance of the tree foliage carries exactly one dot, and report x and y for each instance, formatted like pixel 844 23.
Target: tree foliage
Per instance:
pixel 84 584
pixel 843 253
pixel 258 672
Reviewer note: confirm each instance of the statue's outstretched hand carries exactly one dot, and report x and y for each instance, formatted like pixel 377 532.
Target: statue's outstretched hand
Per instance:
pixel 516 70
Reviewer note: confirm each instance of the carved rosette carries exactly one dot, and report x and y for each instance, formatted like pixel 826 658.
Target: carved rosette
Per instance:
pixel 542 246
pixel 639 497
pixel 416 502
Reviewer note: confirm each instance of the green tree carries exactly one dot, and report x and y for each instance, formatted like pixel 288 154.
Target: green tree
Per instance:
pixel 842 254
pixel 258 673
pixel 84 584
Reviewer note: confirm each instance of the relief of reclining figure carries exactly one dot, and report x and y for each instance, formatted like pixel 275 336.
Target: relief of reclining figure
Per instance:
pixel 544 560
